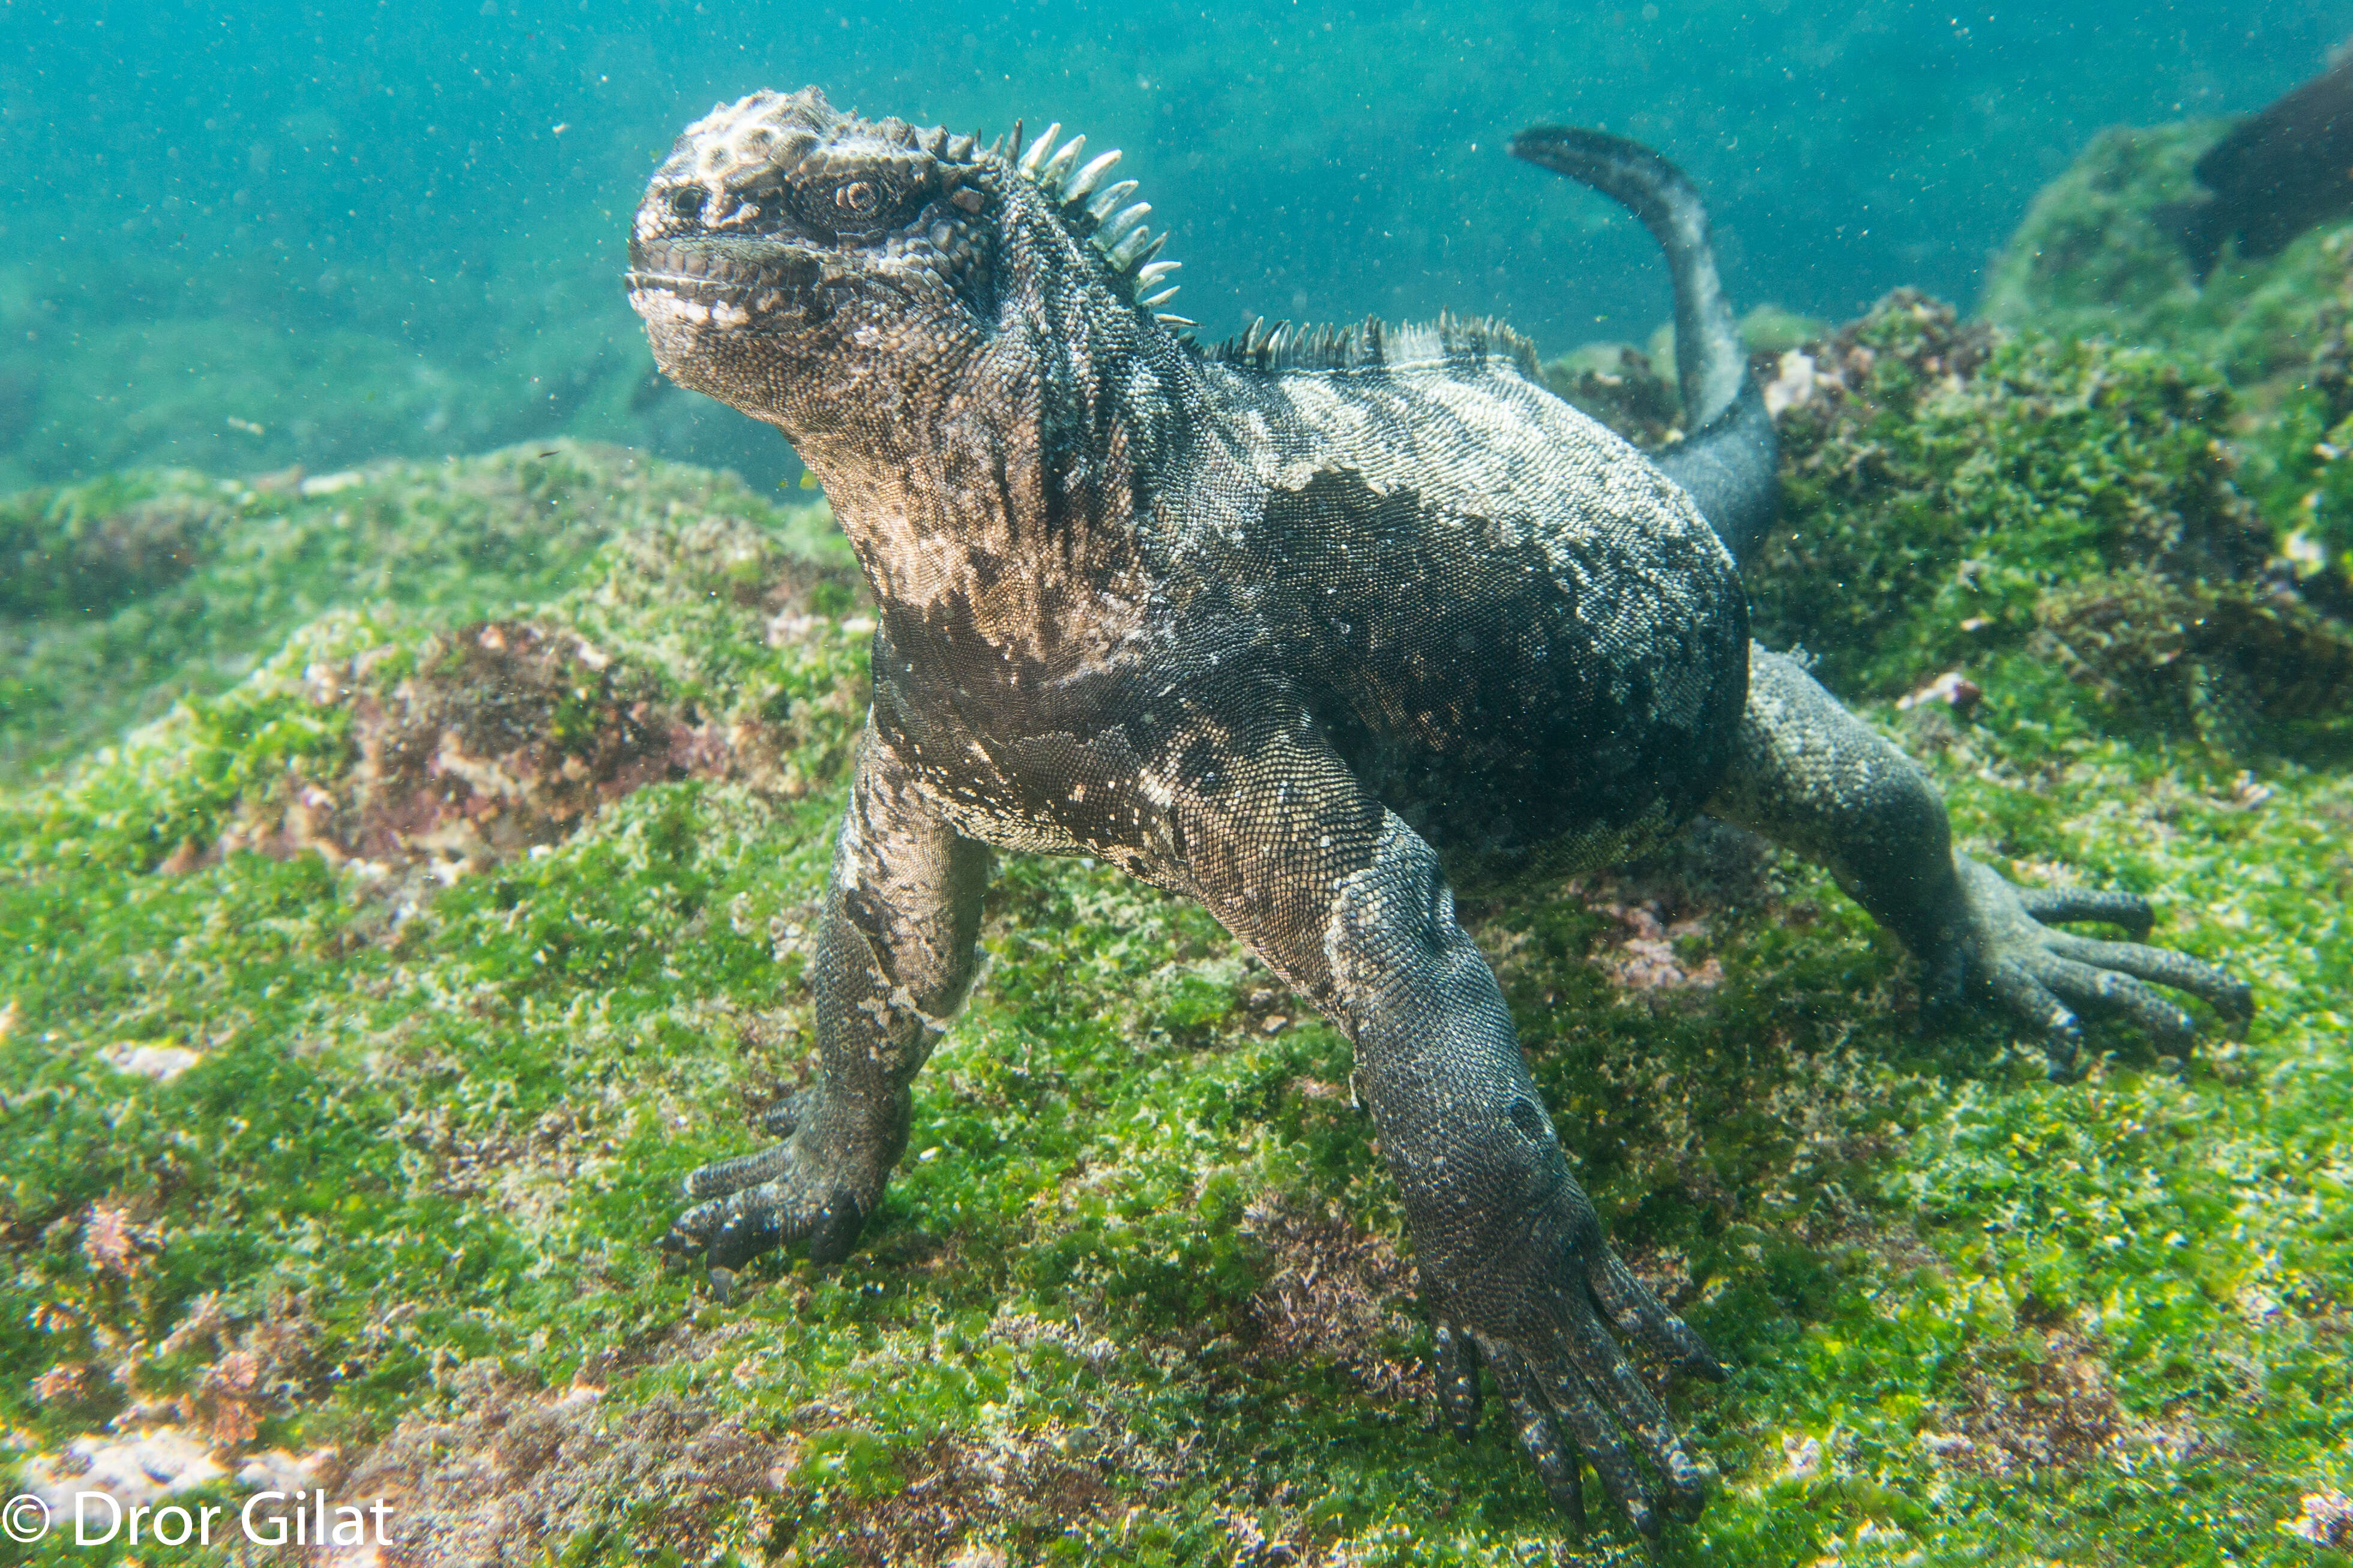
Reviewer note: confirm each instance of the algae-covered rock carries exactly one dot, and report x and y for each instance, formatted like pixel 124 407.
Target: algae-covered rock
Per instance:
pixel 2207 658
pixel 1959 497
pixel 2094 258
pixel 1623 387
pixel 360 1017
pixel 1632 390
pixel 121 595
pixel 2091 257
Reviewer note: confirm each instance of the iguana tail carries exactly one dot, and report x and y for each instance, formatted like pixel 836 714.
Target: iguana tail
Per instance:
pixel 1728 464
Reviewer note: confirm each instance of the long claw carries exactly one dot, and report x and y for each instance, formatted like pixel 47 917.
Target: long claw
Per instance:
pixel 1458 1381
pixel 1557 1463
pixel 1642 1316
pixel 1573 1402
pixel 2027 996
pixel 2230 994
pixel 748 1233
pixel 2105 989
pixel 2059 905
pixel 836 1235
pixel 1605 1372
pixel 692 1230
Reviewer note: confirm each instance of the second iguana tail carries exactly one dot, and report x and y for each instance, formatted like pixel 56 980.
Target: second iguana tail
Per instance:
pixel 1728 462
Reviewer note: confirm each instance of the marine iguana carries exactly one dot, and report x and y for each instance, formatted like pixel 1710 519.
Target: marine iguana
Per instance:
pixel 1312 626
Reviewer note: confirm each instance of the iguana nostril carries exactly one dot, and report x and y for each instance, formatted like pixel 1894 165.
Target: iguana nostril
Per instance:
pixel 1529 1120
pixel 686 202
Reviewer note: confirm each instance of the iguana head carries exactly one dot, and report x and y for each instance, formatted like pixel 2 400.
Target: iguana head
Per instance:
pixel 801 263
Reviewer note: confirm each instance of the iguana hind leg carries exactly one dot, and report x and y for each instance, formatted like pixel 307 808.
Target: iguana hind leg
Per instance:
pixel 1813 777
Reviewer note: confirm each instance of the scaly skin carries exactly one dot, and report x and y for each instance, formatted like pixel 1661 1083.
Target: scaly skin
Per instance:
pixel 1311 629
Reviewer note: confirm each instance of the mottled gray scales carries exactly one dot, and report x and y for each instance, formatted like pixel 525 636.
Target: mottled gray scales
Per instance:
pixel 895 956
pixel 1313 627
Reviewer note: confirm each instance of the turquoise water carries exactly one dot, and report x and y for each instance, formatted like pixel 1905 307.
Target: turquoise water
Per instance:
pixel 241 237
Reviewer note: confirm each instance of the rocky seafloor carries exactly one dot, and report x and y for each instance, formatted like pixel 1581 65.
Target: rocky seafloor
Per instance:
pixel 407 875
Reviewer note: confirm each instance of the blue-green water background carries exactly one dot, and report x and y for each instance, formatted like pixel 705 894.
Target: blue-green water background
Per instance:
pixel 238 238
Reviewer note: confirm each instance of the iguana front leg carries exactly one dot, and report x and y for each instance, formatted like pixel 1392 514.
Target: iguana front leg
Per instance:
pixel 895 957
pixel 1810 775
pixel 1346 901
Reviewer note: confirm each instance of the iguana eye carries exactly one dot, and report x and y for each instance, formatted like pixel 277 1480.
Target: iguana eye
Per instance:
pixel 686 202
pixel 857 196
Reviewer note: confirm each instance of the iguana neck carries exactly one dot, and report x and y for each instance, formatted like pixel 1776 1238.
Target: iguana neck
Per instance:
pixel 1022 451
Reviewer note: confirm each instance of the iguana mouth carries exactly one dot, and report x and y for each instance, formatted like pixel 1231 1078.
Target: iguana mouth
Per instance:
pixel 759 273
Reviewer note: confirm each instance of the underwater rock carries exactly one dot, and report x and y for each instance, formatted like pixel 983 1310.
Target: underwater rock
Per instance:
pixel 508 1463
pixel 1952 490
pixel 133 1468
pixel 2301 455
pixel 454 1136
pixel 2090 255
pixel 2324 1518
pixel 2278 172
pixel 2217 661
pixel 1954 689
pixel 1619 386
pixel 123 594
pixel 500 737
pixel 467 747
pixel 1335 1294
pixel 2056 1407
pixel 2093 256
pixel 63 558
pixel 148 1059
pixel 1644 958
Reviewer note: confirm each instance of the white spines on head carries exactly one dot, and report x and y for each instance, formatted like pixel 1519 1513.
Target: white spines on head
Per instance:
pixel 1109 199
pixel 1079 183
pixel 1049 173
pixel 1035 159
pixel 1101 215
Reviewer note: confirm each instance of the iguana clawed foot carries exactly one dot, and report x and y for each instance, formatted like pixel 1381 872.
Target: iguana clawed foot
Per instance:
pixel 1575 1398
pixel 2004 951
pixel 782 1194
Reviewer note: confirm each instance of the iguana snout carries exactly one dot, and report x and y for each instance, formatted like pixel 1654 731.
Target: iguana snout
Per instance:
pixel 776 224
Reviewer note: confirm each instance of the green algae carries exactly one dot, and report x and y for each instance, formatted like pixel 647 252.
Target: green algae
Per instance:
pixel 122 594
pixel 1139 1294
pixel 2092 258
pixel 1959 497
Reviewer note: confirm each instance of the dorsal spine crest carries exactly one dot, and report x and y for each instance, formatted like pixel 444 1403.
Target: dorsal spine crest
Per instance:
pixel 1103 218
pixel 1374 344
